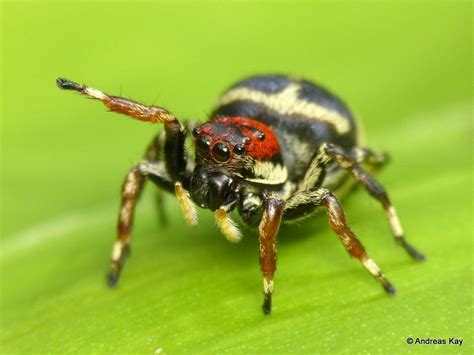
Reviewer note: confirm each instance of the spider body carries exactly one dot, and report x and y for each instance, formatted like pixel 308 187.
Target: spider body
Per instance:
pixel 303 116
pixel 275 149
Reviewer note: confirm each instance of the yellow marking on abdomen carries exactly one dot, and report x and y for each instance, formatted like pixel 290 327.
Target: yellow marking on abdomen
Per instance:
pixel 287 102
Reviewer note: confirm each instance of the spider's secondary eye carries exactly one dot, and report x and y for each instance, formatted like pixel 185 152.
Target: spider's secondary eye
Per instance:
pixel 220 152
pixel 202 144
pixel 239 149
pixel 196 131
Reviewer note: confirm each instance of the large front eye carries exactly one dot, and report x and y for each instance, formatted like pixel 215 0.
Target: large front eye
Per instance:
pixel 220 152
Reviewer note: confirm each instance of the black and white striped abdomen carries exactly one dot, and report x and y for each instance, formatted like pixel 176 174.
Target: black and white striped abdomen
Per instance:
pixel 302 115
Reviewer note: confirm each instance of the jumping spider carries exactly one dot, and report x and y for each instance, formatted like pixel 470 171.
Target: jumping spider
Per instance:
pixel 275 149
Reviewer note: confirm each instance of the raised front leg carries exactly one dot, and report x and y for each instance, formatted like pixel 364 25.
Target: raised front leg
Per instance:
pixel 153 114
pixel 167 175
pixel 304 201
pixel 268 229
pixel 376 190
pixel 174 157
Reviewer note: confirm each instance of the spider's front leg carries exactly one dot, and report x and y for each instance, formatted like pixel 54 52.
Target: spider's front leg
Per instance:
pixel 131 189
pixel 268 230
pixel 167 174
pixel 175 132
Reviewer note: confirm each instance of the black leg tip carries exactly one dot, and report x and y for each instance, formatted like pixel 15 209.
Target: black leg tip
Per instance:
pixel 112 278
pixel 117 265
pixel 390 289
pixel 67 84
pixel 419 257
pixel 267 304
pixel 61 83
pixel 415 254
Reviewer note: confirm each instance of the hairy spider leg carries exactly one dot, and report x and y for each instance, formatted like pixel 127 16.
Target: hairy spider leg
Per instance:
pixel 365 179
pixel 339 180
pixel 131 189
pixel 303 200
pixel 174 158
pixel 337 221
pixel 153 114
pixel 268 230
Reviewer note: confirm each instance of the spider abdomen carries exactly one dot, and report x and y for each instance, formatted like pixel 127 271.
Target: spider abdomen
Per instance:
pixel 302 115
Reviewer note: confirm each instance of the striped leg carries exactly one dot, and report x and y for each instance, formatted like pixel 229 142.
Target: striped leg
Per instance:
pixel 131 189
pixel 175 132
pixel 307 200
pixel 130 108
pixel 268 229
pixel 345 161
pixel 174 160
pixel 337 221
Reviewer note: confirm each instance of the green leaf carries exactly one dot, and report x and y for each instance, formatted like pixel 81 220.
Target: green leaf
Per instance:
pixel 406 69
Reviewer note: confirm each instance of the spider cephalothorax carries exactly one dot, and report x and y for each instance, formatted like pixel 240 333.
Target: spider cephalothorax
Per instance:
pixel 243 146
pixel 275 150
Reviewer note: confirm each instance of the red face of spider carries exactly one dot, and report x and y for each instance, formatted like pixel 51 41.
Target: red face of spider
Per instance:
pixel 241 145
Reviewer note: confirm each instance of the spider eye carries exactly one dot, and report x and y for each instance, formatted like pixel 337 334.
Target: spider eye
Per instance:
pixel 196 131
pixel 220 152
pixel 239 149
pixel 202 144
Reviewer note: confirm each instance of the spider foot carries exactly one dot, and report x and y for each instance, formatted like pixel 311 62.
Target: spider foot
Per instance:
pixel 415 254
pixel 113 278
pixel 68 85
pixel 388 287
pixel 114 274
pixel 267 303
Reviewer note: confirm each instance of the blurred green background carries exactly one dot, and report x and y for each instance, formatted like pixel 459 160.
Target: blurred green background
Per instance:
pixel 403 67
